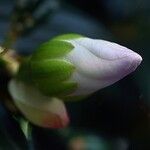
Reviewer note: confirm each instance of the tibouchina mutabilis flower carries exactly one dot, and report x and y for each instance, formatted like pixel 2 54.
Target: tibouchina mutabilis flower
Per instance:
pixel 68 67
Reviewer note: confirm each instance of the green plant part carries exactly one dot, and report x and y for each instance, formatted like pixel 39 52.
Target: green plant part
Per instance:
pixel 52 49
pixel 48 71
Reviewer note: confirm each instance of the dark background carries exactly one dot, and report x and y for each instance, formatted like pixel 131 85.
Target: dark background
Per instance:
pixel 114 118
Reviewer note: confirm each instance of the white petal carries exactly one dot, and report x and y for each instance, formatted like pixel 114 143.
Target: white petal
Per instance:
pixel 83 60
pixel 100 63
pixel 87 85
pixel 40 110
pixel 92 66
pixel 105 49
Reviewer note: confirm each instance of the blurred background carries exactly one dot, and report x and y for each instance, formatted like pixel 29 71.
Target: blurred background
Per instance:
pixel 114 118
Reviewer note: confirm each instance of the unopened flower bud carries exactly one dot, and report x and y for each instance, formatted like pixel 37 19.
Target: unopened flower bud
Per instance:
pixel 72 66
pixel 39 109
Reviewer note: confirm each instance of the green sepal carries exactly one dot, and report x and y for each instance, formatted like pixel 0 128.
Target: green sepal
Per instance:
pixel 52 49
pixel 54 70
pixel 68 36
pixel 49 76
pixel 56 89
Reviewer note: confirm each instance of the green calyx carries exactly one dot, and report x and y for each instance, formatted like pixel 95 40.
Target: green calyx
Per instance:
pixel 52 49
pixel 59 89
pixel 55 70
pixel 47 69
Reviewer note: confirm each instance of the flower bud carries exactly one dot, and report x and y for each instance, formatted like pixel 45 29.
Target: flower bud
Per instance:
pixel 71 66
pixel 39 109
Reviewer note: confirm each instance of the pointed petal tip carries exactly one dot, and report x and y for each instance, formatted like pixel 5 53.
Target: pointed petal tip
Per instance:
pixel 134 60
pixel 137 59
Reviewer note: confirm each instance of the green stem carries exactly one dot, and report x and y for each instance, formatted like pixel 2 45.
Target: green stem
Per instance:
pixel 26 128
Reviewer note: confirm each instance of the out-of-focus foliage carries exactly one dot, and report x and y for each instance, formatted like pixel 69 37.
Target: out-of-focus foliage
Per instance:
pixel 11 135
pixel 118 112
